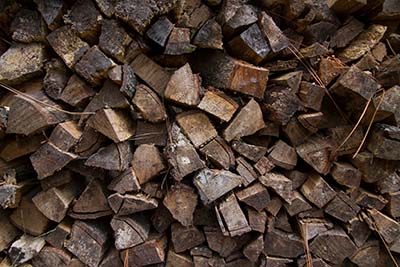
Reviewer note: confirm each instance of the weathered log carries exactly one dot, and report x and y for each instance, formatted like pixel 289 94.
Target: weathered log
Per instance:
pixel 51 12
pixel 50 256
pixel 148 104
pixel 76 92
pixel 25 248
pixel 317 190
pixel 279 184
pixel 283 155
pixel 130 231
pixel 209 35
pixel 21 146
pixel 114 40
pixel 280 104
pixel 59 234
pixel 65 135
pixel 255 196
pixel 246 171
pixel 160 31
pixel 264 165
pixel 56 78
pixel 131 203
pixel 218 104
pixel 251 152
pixel 8 232
pixel 150 252
pixel 147 163
pixel 179 42
pixel 185 237
pixel 219 153
pixel 282 244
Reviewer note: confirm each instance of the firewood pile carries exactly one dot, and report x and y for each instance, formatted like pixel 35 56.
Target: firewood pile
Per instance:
pixel 189 133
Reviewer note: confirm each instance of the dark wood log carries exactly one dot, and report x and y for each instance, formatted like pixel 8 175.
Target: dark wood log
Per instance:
pixel 185 237
pixel 367 199
pixel 184 87
pixel 130 231
pixel 8 232
pixel 362 43
pixel 384 142
pixel 319 32
pixel 282 244
pixel 333 246
pixel 251 152
pixel 291 80
pixel 279 184
pixel 150 72
pixel 181 201
pixel 238 19
pixel 257 220
pixel 114 40
pixel 59 234
pixel 387 227
pixel 150 133
pixel 393 206
pixel 255 196
pixel 311 95
pixel 298 204
pixel 329 69
pixel 147 163
pixel 274 206
pixel 179 42
pixel 85 20
pixel 212 184
pixel 281 65
pixel 77 92
pixel 317 190
pixel 368 254
pixel 112 157
pixel 235 75
pixel 150 252
pixel 125 182
pixel 248 121
pixel 131 203
pixel 276 39
pixel 50 256
pixel 218 104
pixel 65 135
pixel 283 155
pixel 264 165
pixel 67 45
pixel 49 152
pixel 115 124
pixel 388 74
pixel 106 7
pixel 337 135
pixel 358 230
pixel 253 250
pixel 246 171
pixel 342 207
pixel 38 223
pixel 223 245
pixel 51 12
pixel 386 109
pixel 197 127
pixel 92 203
pixel 289 103
pixel 181 155
pixel 345 174
pixel 209 35
pixel 25 248
pixel 389 184
pixel 174 259
pixel 89 142
pixel 250 45
pixel 88 242
pixel 56 78
pixel 346 7
pixel 94 65
pixel 161 218
pixel 129 81
pixel 111 259
pixel 148 104
pixel 160 31
pixel 218 152
pixel 21 146
pixel 231 218
pixel 55 202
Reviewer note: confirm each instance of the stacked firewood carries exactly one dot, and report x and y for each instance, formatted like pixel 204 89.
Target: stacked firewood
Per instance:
pixel 189 133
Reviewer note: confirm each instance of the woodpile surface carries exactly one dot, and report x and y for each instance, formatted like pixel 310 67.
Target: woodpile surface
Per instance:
pixel 199 133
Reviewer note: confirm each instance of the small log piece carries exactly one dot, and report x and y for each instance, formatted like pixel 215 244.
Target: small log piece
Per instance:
pixel 279 184
pixel 219 153
pixel 255 196
pixel 65 135
pixel 130 231
pixel 317 190
pixel 147 163
pixel 160 31
pixel 185 237
pixel 114 40
pixel 148 104
pixel 131 203
pixel 283 155
pixel 218 104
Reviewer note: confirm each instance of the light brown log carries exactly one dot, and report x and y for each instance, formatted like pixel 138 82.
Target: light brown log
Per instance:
pixel 317 190
pixel 65 135
pixel 279 184
pixel 147 163
pixel 112 157
pixel 148 104
pixel 218 104
pixel 219 153
pixel 130 231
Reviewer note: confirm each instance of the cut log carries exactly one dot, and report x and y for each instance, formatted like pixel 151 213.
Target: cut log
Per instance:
pixel 257 220
pixel 77 92
pixel 333 246
pixel 56 78
pixel 50 256
pixel 8 232
pixel 219 153
pixel 125 182
pixel 264 165
pixel 160 31
pixel 88 242
pixel 389 73
pixel 279 184
pixel 246 171
pixel 311 95
pixel 388 228
pixel 362 43
pixel 283 155
pixel 89 142
pixel 114 40
pixel 253 250
pixel 185 237
pixel 367 199
pixel 212 184
pixel 248 121
pixel 111 259
pixel 223 245
pixel 179 42
pixel 239 19
pixel 250 45
pixel 59 234
pixel 25 248
pixel 131 203
pixel 276 39
pixel 255 196
pixel 55 202
pixel 50 153
pixel 181 155
pixel 106 7
pixel 218 104
pixel 147 163
pixel 251 152
pixel 280 104
pixel 346 7
pixel 197 127
pixel 221 71
pixel 393 206
pixel 129 81
pixel 342 208
pixel 130 231
pixel 16 69
pixel 388 105
pixel 115 124
pixel 389 184
pixel 150 252
pixel 21 146
pixel 150 133
pixel 282 244
pixel 94 65
pixel 65 135
pixel 184 87
pixel 345 174
pixel 151 73
pixel 298 204
pixel 367 255
pixel 174 259
pixel 384 142
pixel 161 219
pixel 51 12
pixel 148 104
pixel 85 20
pixel 209 35
pixel 112 157
pixel 67 45
pixel 317 190
pixel 231 218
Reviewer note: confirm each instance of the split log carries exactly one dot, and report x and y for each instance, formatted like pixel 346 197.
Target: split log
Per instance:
pixel 21 146
pixel 130 231
pixel 184 87
pixel 51 12
pixel 311 95
pixel 160 31
pixel 88 242
pixel 297 204
pixel 283 155
pixel 148 104
pixel 125 182
pixel 317 190
pixel 76 92
pixel 389 73
pixel 212 184
pixel 150 133
pixel 115 124
pixel 251 152
pixel 291 80
pixel 181 155
pixel 276 39
pixel 59 234
pixel 56 78
pixel 246 171
pixel 49 152
pixel 280 104
pixel 197 127
pixel 181 201
pixel 241 18
pixel 342 207
pixel 218 104
pixel 257 220
pixel 279 184
pixel 129 81
pixel 231 218
pixel 150 252
pixel 147 163
pixel 345 174
pixel 67 45
pixel 264 165
pixel 106 7
pixel 174 259
pixel 387 107
pixel 114 40
pixel 329 69
pixel 282 244
pixel 65 135
pixel 346 7
pixel 185 237
pixel 179 42
pixel 253 250
pixel 112 157
pixel 235 75
pixel 8 232
pixel 209 35
pixel 219 153
pixel 255 196
pixel 368 254
pixel 89 142
pixel 248 121
pixel 111 259
pixel 25 248
pixel 223 245
pixel 389 184
pixel 161 219
pixel 384 142
pixel 131 203
pixel 50 256
pixel 388 228
pixel 393 206
pixel 369 200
